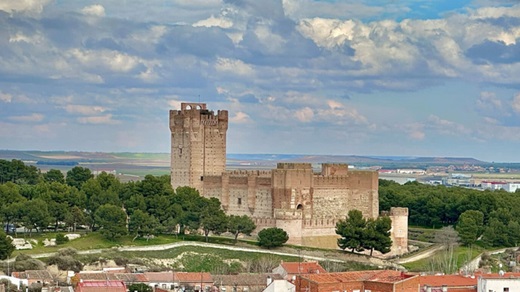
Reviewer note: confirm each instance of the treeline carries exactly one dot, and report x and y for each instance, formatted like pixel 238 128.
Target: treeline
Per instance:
pixel 491 216
pixel 48 200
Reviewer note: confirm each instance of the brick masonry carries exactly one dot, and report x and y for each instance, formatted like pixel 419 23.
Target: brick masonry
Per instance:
pixel 305 204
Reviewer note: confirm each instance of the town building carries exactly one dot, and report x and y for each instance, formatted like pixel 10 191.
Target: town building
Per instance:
pixel 305 203
pixel 101 286
pixel 289 270
pixel 374 281
pixel 501 282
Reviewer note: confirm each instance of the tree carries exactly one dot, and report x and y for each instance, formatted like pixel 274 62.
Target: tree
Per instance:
pixel 35 215
pixel 77 176
pixel 272 237
pixel 54 175
pixel 112 220
pixel 213 218
pixel 470 226
pixel 142 224
pixel 139 287
pixel 240 225
pixel 6 246
pixel 352 231
pixel 377 235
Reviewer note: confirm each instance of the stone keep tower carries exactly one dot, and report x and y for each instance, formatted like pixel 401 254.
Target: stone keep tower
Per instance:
pixel 198 144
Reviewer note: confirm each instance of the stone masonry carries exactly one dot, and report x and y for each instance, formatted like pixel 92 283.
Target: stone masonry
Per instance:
pixel 293 197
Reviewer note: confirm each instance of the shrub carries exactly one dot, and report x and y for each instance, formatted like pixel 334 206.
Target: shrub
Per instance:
pixel 61 239
pixel 272 237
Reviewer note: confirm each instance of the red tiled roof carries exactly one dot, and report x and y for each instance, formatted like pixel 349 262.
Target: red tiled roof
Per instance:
pixel 165 277
pixel 245 279
pixel 449 280
pixel 386 276
pixel 126 277
pixel 102 284
pixel 186 277
pixel 506 275
pixel 302 267
pixel 33 274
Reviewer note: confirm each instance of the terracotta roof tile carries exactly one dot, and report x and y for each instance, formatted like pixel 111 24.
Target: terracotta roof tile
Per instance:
pixel 245 279
pixel 386 276
pixel 302 267
pixel 495 275
pixel 186 277
pixel 165 277
pixel 449 280
pixel 102 284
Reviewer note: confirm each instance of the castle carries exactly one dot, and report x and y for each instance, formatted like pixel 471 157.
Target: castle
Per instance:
pixel 293 197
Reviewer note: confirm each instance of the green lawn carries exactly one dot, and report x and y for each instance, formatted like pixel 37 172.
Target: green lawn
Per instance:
pixel 461 255
pixel 92 240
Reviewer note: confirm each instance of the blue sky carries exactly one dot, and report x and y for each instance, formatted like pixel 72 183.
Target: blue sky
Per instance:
pixel 406 78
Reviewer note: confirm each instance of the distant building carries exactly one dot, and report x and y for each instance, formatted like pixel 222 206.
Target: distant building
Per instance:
pixel 376 281
pixel 101 286
pixel 497 185
pixel 448 283
pixel 289 270
pixel 503 282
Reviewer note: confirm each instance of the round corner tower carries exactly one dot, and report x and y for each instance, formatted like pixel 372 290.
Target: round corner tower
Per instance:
pixel 198 144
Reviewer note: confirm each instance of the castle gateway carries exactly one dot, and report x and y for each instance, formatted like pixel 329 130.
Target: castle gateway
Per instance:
pixel 293 197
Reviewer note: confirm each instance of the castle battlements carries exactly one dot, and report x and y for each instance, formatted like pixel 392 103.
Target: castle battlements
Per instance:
pixel 291 196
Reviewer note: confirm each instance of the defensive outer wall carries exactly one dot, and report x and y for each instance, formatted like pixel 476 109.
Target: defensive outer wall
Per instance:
pixel 292 196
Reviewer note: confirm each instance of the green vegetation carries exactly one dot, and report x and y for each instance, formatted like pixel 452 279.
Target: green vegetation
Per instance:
pixel 6 247
pixel 358 233
pixel 272 237
pixel 437 206
pixel 447 261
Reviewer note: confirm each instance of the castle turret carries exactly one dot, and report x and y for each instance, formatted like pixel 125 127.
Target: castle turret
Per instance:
pixel 198 144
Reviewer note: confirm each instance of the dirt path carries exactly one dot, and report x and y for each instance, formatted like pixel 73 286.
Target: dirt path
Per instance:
pixel 421 255
pixel 306 255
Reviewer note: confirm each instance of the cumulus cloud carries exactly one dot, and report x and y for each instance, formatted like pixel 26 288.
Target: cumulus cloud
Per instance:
pixel 5 97
pixel 104 119
pixel 447 127
pixel 236 67
pixel 32 7
pixel 214 21
pixel 94 10
pixel 305 114
pixel 240 118
pixel 84 109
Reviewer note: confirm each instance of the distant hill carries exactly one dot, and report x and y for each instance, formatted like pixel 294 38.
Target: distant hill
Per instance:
pixel 353 159
pixel 164 158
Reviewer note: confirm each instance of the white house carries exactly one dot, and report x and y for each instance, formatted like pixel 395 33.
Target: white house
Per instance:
pixel 503 282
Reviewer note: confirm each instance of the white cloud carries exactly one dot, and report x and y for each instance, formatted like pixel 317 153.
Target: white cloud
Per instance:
pixel 113 60
pixel 240 118
pixel 32 7
pixel 516 103
pixel 28 118
pixel 5 97
pixel 94 10
pixel 214 21
pixel 233 66
pixel 104 119
pixel 20 37
pixel 305 114
pixel 175 104
pixel 447 127
pixel 84 109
